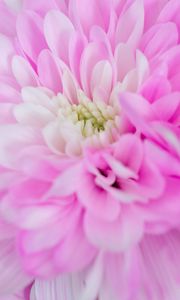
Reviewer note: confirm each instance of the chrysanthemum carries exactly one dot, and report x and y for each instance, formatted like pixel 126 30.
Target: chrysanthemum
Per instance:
pixel 89 149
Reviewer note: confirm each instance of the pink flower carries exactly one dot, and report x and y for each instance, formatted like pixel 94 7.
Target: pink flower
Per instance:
pixel 89 151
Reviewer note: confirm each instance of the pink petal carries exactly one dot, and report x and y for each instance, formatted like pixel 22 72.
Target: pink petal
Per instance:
pixel 125 60
pixel 58 31
pixel 6 229
pixel 69 260
pixel 70 86
pixel 49 71
pixel 96 199
pixel 130 82
pixel 155 87
pixel 37 162
pixel 60 186
pixel 14 5
pixel 165 209
pixel 119 169
pixel 160 157
pixel 155 9
pixel 13 278
pixel 92 54
pixel 39 265
pixel 114 236
pixel 7 51
pixel 172 59
pixel 159 39
pixel 50 221
pixel 7 20
pixel 97 14
pixel 13 297
pixel 121 271
pixel 123 150
pixel 130 25
pixel 8 93
pixel 14 138
pixel 160 261
pixel 39 6
pixel 150 183
pixel 35 241
pixel 98 35
pixel 63 5
pixel 30 34
pixel 37 217
pixel 11 81
pixel 169 136
pixel 166 106
pixel 171 13
pixel 27 191
pixel 101 81
pixel 138 110
pixel 76 46
pixel 6 113
pixel 23 191
pixel 122 6
pixel 23 72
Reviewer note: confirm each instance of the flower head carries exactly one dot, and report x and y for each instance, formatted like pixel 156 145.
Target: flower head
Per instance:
pixel 90 102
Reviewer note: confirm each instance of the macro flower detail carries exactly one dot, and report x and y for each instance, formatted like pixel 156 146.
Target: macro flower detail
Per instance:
pixel 89 149
pixel 68 126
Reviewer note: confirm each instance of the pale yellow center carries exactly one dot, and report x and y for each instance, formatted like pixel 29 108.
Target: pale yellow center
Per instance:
pixel 92 118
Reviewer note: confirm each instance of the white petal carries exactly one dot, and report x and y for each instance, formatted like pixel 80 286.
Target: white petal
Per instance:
pixel 53 137
pixel 33 115
pixel 93 280
pixel 40 97
pixel 65 287
pixel 78 286
pixel 142 67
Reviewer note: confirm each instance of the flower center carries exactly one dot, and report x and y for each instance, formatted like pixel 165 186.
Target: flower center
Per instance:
pixel 91 118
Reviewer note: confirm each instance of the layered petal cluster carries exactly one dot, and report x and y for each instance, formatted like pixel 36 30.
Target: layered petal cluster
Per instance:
pixel 89 149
